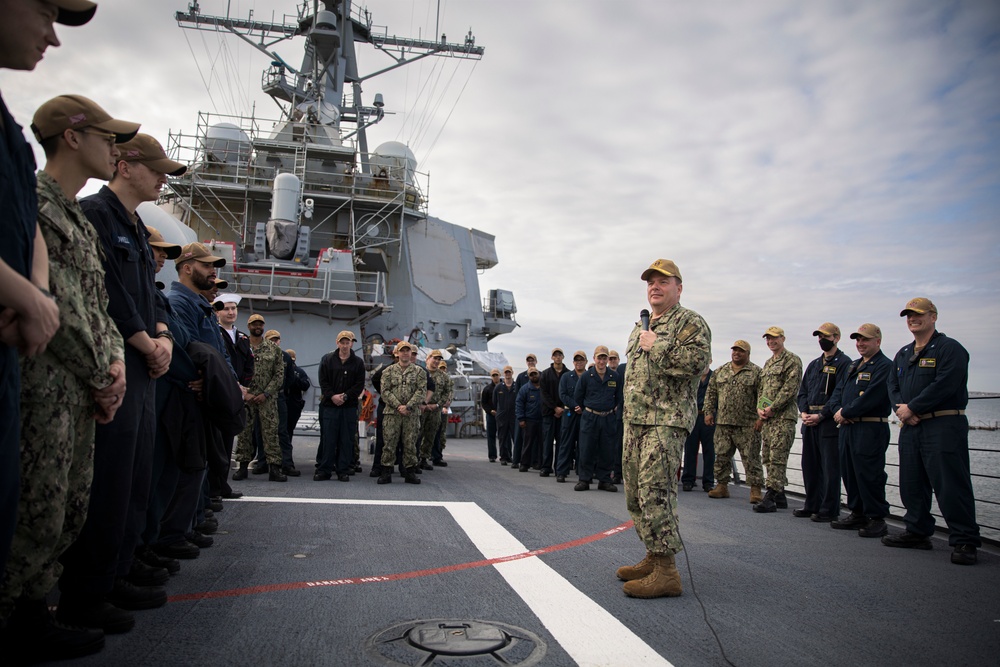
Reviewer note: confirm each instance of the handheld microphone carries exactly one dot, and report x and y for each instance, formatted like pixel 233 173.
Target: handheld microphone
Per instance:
pixel 644 318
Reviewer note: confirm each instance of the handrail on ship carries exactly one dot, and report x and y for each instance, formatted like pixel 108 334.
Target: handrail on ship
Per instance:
pixel 244 169
pixel 353 288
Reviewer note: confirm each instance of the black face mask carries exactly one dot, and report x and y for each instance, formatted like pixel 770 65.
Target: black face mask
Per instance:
pixel 826 344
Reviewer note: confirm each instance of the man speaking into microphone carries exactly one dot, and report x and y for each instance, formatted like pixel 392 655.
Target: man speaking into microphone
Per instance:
pixel 667 353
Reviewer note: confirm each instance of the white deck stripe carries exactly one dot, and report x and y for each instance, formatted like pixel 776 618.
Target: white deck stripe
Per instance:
pixel 584 629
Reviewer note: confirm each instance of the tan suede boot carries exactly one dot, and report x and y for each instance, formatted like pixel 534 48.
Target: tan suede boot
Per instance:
pixel 637 571
pixel 755 495
pixel 721 490
pixel 663 581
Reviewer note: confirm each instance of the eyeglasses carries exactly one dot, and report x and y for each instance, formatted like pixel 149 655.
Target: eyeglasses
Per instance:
pixel 112 139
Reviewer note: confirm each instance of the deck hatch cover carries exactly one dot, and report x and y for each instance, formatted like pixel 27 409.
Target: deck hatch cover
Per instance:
pixel 456 641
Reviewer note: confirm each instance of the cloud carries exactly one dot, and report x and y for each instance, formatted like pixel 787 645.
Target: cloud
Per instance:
pixel 801 162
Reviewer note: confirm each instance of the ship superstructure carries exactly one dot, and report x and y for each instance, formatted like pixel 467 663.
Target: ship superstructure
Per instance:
pixel 319 232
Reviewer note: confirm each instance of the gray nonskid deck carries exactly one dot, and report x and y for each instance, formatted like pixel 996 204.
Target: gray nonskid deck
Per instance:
pixel 299 581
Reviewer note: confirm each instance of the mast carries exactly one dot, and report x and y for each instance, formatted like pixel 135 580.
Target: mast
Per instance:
pixel 316 92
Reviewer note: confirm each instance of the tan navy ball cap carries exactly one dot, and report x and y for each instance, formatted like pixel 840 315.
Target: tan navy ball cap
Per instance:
pixel 664 266
pixel 272 333
pixel 920 306
pixel 74 12
pixel 599 350
pixel 255 318
pixel 495 372
pixel 508 368
pixel 403 345
pixel 228 298
pixel 147 150
pixel 556 350
pixel 742 345
pixel 613 354
pixel 827 329
pixel 221 284
pixel 531 357
pixel 156 239
pixel 291 353
pixel 533 371
pixel 581 354
pixel 773 331
pixel 76 112
pixel 346 334
pixel 436 353
pixel 867 331
pixel 199 253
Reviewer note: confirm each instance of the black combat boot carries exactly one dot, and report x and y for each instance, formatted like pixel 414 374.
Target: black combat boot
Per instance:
pixel 767 504
pixel 34 635
pixel 410 476
pixel 780 501
pixel 385 477
pixel 275 474
pixel 241 474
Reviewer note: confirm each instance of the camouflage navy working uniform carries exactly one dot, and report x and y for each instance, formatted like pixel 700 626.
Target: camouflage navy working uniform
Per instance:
pixel 446 397
pixel 780 385
pixel 731 398
pixel 659 412
pixel 402 386
pixel 57 407
pixel 268 378
pixel 430 421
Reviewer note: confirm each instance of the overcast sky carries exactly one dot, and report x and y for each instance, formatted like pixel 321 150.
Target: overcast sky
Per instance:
pixel 802 162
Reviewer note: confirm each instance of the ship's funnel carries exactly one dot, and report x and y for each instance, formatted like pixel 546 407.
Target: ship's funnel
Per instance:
pixel 283 225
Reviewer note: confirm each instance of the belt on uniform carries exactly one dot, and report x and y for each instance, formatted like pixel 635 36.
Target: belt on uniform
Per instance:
pixel 599 413
pixel 817 407
pixel 881 420
pixel 941 413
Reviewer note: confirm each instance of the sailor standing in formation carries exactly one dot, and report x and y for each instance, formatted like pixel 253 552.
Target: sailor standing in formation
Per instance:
pixel 861 409
pixel 820 451
pixel 776 407
pixel 598 396
pixel 404 388
pixel 341 381
pixel 929 392
pixel 262 399
pixel 504 398
pixel 79 378
pixel 730 405
pixel 430 412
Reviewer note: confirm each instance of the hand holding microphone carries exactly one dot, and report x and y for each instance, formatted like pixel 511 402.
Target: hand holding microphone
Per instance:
pixel 647 337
